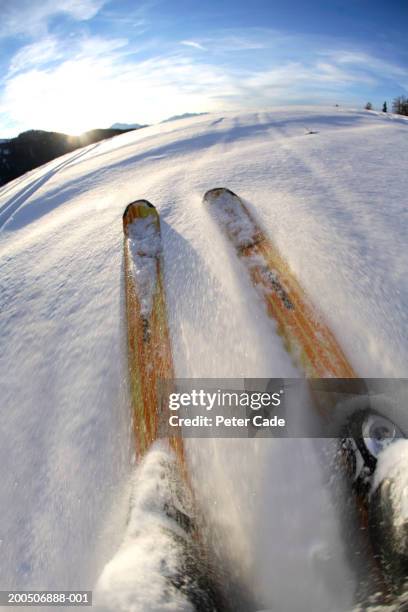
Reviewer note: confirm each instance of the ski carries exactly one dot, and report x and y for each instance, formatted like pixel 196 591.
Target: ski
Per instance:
pixel 184 570
pixel 306 336
pixel 315 350
pixel 149 350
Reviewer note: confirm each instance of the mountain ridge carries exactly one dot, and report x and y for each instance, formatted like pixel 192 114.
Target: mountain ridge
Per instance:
pixel 34 148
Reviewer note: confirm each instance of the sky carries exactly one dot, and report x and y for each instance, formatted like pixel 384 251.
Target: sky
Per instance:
pixel 73 65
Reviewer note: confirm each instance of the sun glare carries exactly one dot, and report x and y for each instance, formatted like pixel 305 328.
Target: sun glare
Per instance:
pixel 84 94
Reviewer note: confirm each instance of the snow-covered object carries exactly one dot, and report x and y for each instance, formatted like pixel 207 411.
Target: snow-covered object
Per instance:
pixel 392 471
pixel 157 567
pixel 392 463
pixel 145 247
pixel 233 219
pixel 388 513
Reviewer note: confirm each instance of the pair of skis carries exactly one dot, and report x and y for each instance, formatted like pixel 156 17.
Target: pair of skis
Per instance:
pixel 306 336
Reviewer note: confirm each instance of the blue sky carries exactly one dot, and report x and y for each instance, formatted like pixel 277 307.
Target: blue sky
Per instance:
pixel 71 65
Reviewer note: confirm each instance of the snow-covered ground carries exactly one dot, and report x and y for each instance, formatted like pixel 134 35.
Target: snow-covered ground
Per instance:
pixel 334 202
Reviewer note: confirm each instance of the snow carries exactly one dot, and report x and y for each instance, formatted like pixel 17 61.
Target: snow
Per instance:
pixel 335 205
pixel 233 220
pixel 145 248
pixel 183 116
pixel 392 464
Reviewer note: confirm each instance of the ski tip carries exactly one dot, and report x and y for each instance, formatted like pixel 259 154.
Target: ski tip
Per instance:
pixel 138 209
pixel 213 194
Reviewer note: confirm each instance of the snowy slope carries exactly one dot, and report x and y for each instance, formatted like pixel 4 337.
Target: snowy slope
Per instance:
pixel 335 204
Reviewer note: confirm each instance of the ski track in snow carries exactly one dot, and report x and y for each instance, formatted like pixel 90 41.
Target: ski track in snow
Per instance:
pixel 334 203
pixel 12 206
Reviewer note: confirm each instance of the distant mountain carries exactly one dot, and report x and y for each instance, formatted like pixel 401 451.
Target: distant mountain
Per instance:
pixel 36 147
pixel 127 126
pixel 184 116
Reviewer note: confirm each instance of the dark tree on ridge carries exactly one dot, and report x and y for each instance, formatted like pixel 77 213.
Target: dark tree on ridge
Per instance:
pixel 400 105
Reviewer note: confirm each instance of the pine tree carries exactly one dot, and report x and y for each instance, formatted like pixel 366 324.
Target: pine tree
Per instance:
pixel 368 106
pixel 384 108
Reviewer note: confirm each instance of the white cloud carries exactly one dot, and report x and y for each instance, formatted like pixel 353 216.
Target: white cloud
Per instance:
pixel 95 92
pixel 95 46
pixel 50 49
pixel 295 76
pixel 226 42
pixel 31 17
pixel 35 54
pixel 369 63
pixel 230 42
pixel 192 43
